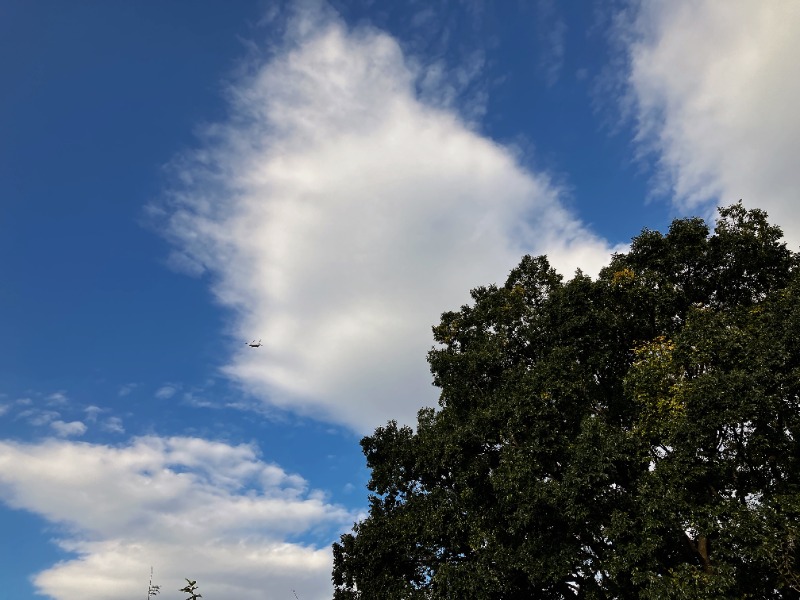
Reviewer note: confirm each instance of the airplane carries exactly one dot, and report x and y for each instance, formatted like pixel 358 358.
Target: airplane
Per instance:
pixel 253 344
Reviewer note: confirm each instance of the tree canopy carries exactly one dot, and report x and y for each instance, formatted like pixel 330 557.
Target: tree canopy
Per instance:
pixel 631 436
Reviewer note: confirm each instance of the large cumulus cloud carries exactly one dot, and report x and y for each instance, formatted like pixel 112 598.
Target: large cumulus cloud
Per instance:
pixel 338 215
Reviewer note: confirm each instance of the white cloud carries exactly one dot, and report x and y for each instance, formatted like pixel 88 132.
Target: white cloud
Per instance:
pixel 92 412
pixel 113 425
pixel 190 507
pixel 38 417
pixel 57 398
pixel 715 88
pixel 339 216
pixel 166 391
pixel 4 408
pixel 64 429
pixel 126 389
pixel 551 33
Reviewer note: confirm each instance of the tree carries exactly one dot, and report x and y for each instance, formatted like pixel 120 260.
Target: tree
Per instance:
pixel 633 436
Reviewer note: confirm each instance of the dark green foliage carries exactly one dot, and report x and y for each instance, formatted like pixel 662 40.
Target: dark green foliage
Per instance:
pixel 634 436
pixel 191 590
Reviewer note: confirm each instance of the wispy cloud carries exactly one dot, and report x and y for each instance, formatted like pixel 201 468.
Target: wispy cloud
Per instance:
pixel 448 46
pixel 38 417
pixel 165 392
pixel 715 88
pixel 112 425
pixel 109 424
pixel 186 505
pixel 57 398
pixel 64 429
pixel 126 389
pixel 340 215
pixel 92 412
pixel 38 410
pixel 552 33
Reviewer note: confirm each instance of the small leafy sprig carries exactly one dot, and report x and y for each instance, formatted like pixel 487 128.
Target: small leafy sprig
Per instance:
pixel 152 590
pixel 191 589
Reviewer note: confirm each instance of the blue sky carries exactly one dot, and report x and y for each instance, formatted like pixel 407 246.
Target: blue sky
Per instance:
pixel 179 178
